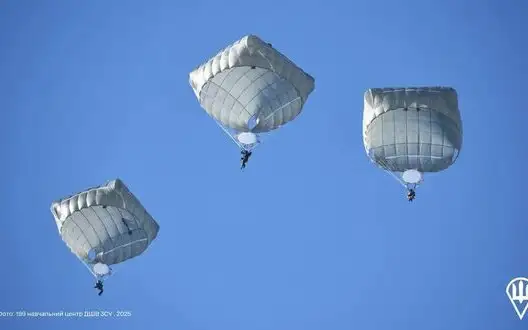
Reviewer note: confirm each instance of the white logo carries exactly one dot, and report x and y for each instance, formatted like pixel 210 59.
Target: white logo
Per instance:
pixel 517 291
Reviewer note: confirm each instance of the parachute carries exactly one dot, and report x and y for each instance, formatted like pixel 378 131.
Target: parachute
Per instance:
pixel 104 225
pixel 411 131
pixel 249 88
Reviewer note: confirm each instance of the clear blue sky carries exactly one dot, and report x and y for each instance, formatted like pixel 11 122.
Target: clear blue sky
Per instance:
pixel 311 236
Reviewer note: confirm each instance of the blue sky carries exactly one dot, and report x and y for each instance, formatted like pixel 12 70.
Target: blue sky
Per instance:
pixel 311 236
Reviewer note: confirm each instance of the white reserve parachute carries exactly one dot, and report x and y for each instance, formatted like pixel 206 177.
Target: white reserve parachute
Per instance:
pixel 250 88
pixel 104 226
pixel 411 131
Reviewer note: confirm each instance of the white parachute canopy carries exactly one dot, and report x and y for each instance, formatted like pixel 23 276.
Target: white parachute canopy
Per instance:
pixel 105 225
pixel 412 131
pixel 251 87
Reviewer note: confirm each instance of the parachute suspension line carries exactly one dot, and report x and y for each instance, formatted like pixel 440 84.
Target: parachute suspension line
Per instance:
pixel 386 168
pixel 86 265
pixel 91 270
pixel 229 134
pixel 222 126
